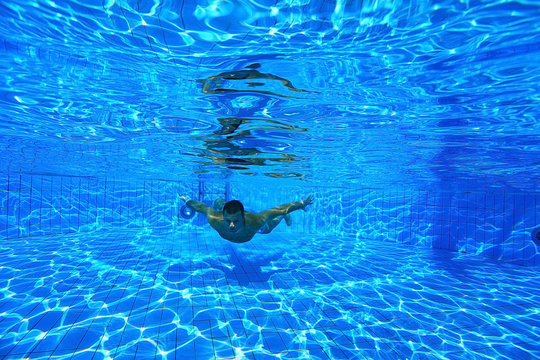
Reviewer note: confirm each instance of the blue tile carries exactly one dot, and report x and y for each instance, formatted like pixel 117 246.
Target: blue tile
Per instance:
pixel 223 350
pixel 116 324
pixel 316 352
pixel 375 350
pixel 72 340
pixel 202 349
pixel 49 318
pixel 26 344
pixel 273 342
pixel 145 350
pixel 120 353
pixel 237 327
pixel 7 346
pixel 506 352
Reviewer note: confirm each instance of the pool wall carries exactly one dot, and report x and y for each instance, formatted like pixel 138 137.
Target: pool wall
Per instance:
pixel 493 224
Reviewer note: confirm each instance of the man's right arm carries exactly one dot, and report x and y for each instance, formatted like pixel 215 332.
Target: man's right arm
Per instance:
pixel 197 205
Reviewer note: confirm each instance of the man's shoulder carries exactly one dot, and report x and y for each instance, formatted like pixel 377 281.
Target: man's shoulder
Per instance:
pixel 254 223
pixel 252 217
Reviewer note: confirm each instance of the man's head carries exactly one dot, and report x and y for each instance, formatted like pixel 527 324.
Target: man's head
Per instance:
pixel 233 214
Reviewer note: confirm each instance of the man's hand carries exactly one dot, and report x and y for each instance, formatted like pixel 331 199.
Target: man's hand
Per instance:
pixel 183 198
pixel 307 201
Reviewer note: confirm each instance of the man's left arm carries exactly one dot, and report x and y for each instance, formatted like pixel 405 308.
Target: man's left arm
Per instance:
pixel 286 209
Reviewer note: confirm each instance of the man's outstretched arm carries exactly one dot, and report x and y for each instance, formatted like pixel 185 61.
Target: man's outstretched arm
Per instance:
pixel 286 208
pixel 197 205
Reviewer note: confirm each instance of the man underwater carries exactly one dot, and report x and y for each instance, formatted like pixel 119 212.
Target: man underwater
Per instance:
pixel 239 226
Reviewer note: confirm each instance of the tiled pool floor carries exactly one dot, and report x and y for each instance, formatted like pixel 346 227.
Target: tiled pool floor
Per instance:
pixel 140 294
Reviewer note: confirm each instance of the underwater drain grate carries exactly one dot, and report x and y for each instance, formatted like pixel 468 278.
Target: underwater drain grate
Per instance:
pixel 535 235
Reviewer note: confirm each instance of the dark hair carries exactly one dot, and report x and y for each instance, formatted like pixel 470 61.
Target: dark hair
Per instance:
pixel 233 206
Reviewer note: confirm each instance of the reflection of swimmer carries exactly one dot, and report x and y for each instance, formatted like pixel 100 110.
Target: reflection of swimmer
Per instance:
pixel 228 125
pixel 227 146
pixel 239 226
pixel 213 83
pixel 224 149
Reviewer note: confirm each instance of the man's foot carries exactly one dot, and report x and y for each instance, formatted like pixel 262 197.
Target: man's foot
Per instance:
pixel 288 219
pixel 218 204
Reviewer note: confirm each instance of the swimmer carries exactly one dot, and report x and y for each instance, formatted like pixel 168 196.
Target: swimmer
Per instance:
pixel 236 225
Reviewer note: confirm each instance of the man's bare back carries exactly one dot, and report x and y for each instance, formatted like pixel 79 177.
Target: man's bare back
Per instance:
pixel 239 226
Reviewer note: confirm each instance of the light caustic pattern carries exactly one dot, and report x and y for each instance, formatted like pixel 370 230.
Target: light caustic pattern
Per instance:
pixel 494 225
pixel 128 294
pixel 43 205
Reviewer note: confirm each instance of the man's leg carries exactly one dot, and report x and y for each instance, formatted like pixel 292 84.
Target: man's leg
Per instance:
pixel 218 204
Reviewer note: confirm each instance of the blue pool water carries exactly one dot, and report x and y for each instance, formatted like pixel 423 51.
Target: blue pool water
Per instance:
pixel 414 124
pixel 145 294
